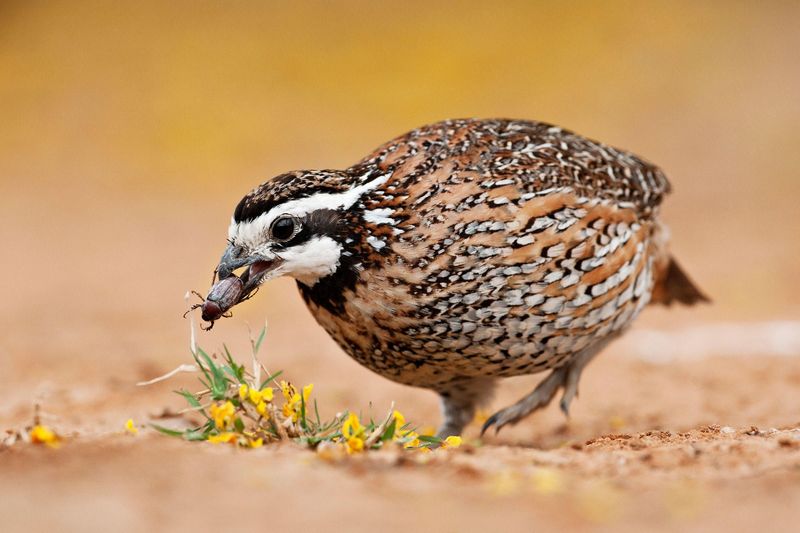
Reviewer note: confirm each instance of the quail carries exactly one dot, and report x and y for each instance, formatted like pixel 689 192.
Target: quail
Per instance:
pixel 463 252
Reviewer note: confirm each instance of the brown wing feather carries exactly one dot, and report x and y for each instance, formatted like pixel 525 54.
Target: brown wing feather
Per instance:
pixel 537 156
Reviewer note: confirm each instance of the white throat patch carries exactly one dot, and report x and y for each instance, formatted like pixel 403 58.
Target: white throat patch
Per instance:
pixel 310 261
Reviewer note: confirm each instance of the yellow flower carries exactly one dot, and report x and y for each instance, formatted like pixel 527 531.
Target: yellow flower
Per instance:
pixel 254 396
pixel 288 390
pixel 409 438
pixel 267 395
pixel 412 439
pixel 130 427
pixel 399 421
pixel 453 441
pixel 44 435
pixel 256 443
pixel 224 437
pixel 355 445
pixel 291 396
pixel 222 414
pixel 351 427
pixel 353 433
pixel 294 402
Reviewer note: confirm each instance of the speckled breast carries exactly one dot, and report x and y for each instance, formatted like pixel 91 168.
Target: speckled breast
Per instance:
pixel 516 293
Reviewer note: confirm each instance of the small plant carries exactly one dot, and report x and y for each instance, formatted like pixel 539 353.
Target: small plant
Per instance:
pixel 251 408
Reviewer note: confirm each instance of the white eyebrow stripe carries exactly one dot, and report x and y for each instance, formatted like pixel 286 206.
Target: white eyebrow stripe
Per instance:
pixel 251 232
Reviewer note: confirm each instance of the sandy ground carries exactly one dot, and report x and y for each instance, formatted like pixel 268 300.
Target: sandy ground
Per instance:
pixel 692 445
pixel 129 134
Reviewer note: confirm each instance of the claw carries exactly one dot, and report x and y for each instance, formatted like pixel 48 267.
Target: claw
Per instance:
pixel 570 393
pixel 564 405
pixel 492 420
pixel 570 388
pixel 495 420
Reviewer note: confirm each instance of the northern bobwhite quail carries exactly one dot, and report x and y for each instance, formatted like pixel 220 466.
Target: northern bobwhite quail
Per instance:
pixel 463 252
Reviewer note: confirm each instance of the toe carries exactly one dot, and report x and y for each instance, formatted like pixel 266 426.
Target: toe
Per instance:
pixel 492 420
pixel 498 420
pixel 570 390
pixel 564 404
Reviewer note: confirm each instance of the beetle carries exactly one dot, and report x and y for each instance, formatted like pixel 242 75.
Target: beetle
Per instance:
pixel 223 295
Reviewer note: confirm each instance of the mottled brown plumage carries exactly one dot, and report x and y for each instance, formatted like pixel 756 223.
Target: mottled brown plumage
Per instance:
pixel 469 250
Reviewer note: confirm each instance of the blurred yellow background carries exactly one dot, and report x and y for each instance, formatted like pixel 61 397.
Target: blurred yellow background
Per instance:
pixel 130 130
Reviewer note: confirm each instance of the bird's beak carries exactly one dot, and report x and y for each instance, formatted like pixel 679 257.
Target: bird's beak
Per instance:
pixel 259 266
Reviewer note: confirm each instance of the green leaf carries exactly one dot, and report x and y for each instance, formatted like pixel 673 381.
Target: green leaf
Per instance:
pixel 430 438
pixel 202 367
pixel 316 412
pixel 235 370
pixel 303 411
pixel 196 435
pixel 238 424
pixel 190 398
pixel 389 433
pixel 216 376
pixel 167 431
pixel 257 344
pixel 270 379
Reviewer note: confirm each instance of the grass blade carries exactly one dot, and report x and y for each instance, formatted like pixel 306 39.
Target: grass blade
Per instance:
pixel 167 431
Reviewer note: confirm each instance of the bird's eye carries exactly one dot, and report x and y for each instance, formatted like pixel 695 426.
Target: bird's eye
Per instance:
pixel 284 228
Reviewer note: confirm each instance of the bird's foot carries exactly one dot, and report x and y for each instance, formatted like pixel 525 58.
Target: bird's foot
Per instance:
pixel 540 397
pixel 566 377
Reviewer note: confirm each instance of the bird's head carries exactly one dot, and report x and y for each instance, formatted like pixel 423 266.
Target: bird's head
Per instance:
pixel 293 225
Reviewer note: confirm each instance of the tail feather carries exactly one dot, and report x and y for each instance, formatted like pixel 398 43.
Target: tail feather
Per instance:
pixel 675 286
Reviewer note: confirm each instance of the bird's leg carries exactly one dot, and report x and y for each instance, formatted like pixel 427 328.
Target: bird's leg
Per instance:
pixel 566 377
pixel 460 398
pixel 572 378
pixel 575 369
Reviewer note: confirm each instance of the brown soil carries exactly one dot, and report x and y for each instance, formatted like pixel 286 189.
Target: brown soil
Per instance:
pixel 686 444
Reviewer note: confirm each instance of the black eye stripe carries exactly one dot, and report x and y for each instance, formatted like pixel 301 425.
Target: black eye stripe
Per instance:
pixel 317 223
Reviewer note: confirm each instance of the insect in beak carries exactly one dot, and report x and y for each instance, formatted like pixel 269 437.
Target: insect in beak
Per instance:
pixel 231 289
pixel 258 266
